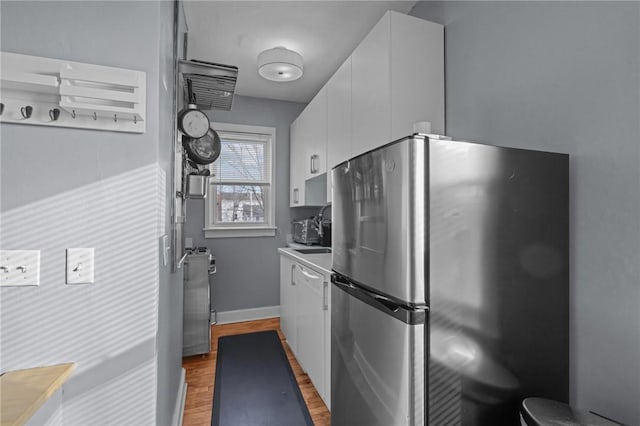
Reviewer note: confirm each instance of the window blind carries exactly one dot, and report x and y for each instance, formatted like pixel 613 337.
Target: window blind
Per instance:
pixel 244 158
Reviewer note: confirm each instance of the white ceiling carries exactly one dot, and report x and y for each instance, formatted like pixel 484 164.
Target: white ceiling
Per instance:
pixel 323 32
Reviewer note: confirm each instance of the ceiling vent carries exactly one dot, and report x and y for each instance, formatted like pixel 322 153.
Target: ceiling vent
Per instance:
pixel 213 84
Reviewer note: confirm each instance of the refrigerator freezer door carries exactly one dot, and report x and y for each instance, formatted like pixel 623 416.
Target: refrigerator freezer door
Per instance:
pixel 498 281
pixel 380 219
pixel 377 366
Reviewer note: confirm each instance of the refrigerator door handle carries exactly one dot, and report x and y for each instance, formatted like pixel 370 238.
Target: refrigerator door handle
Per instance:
pixel 405 314
pixel 387 303
pixel 346 284
pixel 341 281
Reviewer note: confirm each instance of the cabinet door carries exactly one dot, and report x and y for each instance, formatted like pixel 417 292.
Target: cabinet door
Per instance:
pixel 310 324
pixel 316 137
pixel 296 163
pixel 371 98
pixel 288 302
pixel 417 74
pixel 326 396
pixel 338 119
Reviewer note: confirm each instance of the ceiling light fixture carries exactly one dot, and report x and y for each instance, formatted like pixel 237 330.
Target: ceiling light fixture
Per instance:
pixel 280 64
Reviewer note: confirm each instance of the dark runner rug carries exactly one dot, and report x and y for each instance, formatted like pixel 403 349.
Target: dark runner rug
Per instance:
pixel 255 385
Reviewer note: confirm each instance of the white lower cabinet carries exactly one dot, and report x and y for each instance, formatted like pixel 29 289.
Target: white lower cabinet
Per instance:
pixel 310 324
pixel 288 302
pixel 326 396
pixel 305 320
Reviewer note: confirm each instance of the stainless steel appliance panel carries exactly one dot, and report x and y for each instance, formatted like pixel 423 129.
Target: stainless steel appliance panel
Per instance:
pixel 377 365
pixel 196 327
pixel 498 279
pixel 379 227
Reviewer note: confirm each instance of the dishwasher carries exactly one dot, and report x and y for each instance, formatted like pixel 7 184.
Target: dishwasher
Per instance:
pixel 199 265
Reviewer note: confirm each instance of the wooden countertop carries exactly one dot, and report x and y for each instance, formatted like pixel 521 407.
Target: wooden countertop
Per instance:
pixel 22 392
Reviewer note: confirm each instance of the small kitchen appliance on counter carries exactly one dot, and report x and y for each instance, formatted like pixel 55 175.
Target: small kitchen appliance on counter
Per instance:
pixel 196 331
pixel 305 232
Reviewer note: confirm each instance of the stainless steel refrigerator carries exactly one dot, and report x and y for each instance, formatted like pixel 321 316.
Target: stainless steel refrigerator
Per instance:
pixel 450 298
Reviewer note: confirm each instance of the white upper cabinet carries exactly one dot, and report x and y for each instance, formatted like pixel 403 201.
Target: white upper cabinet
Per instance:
pixel 417 74
pixel 296 164
pixel 392 80
pixel 338 119
pixel 371 89
pixel 316 142
pixel 397 80
pixel 308 152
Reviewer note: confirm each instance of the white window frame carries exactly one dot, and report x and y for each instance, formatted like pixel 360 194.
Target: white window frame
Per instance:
pixel 213 230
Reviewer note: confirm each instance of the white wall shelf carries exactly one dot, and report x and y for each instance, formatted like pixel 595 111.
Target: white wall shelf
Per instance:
pixel 71 94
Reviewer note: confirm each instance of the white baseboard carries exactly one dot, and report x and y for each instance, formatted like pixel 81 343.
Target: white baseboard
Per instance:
pixel 248 314
pixel 178 412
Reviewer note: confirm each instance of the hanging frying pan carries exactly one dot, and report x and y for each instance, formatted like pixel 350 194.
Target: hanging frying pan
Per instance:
pixel 191 121
pixel 204 150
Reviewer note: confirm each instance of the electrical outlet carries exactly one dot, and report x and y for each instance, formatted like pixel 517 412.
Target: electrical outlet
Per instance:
pixel 19 267
pixel 80 265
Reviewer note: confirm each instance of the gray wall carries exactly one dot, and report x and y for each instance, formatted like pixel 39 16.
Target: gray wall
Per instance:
pixel 83 188
pixel 248 268
pixel 565 77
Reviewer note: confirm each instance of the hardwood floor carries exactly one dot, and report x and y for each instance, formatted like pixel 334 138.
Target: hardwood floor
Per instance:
pixel 200 372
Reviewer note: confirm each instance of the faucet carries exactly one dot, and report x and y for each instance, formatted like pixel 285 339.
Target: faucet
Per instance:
pixel 319 219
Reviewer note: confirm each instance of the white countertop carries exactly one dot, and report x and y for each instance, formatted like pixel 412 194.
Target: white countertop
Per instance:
pixel 320 261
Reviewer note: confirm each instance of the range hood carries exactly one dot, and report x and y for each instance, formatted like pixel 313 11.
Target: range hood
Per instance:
pixel 213 84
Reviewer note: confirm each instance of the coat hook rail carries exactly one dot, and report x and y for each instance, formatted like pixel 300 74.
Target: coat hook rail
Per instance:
pixel 26 111
pixel 54 114
pixel 59 93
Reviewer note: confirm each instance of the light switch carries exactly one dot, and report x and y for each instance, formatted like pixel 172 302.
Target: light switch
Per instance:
pixel 19 267
pixel 165 249
pixel 80 265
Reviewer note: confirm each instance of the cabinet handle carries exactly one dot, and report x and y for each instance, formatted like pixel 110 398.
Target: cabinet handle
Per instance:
pixel 325 296
pixel 314 169
pixel 295 195
pixel 308 275
pixel 293 268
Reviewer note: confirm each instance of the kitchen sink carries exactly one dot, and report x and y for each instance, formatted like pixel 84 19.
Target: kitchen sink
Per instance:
pixel 316 250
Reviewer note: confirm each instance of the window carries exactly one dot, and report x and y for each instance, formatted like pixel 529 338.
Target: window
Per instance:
pixel 241 195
